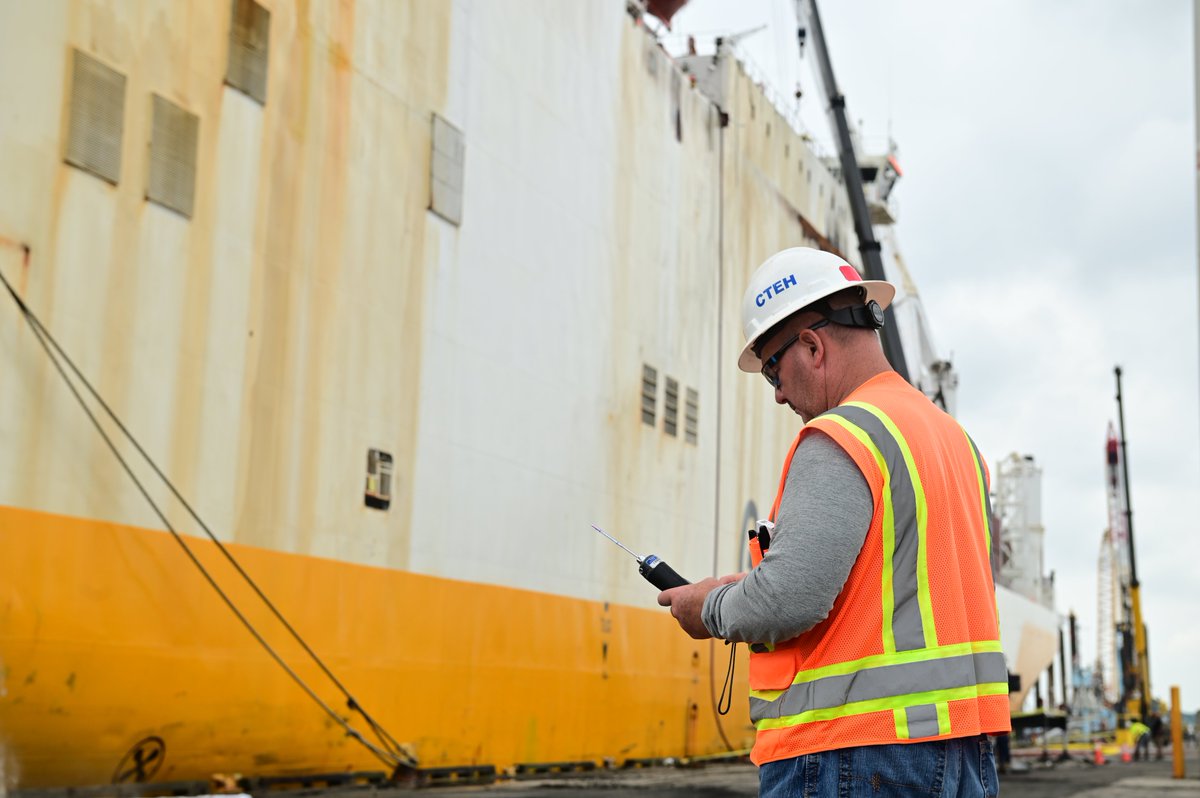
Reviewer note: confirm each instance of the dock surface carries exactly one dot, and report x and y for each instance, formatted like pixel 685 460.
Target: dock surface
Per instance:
pixel 1075 777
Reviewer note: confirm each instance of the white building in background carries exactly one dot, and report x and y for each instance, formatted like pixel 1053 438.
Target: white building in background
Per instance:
pixel 1024 596
pixel 1017 488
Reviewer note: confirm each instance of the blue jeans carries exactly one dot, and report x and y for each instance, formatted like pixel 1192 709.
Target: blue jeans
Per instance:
pixel 952 768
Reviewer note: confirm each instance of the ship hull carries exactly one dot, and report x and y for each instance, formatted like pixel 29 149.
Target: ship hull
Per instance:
pixel 1029 636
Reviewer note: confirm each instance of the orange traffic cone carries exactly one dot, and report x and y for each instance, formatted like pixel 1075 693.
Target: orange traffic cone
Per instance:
pixel 1125 757
pixel 1097 754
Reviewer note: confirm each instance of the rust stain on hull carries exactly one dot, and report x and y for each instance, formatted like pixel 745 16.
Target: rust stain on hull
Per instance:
pixel 324 374
pixel 336 322
pixel 267 391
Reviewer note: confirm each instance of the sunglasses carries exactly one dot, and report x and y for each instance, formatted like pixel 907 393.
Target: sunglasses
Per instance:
pixel 770 366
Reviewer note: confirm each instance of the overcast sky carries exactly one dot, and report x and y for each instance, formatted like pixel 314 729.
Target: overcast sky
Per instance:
pixel 1048 217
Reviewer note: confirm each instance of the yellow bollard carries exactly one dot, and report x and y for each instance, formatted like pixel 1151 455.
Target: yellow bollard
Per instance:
pixel 1176 732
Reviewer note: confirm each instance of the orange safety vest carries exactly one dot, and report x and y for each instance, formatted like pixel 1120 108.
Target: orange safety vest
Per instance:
pixel 910 651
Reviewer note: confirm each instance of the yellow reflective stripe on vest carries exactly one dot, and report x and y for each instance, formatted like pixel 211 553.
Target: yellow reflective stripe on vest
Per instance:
pixel 870 685
pixel 900 718
pixel 889 527
pixel 985 502
pixel 879 660
pixel 985 508
pixel 924 599
pixel 883 704
pixel 943 715
pixel 907 606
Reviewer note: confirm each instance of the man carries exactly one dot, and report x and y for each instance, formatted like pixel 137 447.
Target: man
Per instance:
pixel 1140 734
pixel 875 660
pixel 1158 734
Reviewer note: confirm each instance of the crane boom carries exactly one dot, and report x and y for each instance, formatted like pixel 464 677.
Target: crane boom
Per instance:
pixel 1142 662
pixel 868 246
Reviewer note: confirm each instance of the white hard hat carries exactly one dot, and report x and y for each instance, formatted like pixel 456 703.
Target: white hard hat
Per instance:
pixel 794 279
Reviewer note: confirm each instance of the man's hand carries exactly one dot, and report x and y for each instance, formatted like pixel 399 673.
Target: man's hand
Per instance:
pixel 687 603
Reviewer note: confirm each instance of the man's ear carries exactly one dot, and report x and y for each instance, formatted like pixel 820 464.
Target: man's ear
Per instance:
pixel 812 342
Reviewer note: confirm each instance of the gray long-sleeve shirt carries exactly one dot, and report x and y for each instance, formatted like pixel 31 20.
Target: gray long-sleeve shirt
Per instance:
pixel 821 525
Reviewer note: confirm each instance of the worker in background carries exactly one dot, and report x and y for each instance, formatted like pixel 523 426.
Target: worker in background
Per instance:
pixel 1003 749
pixel 875 657
pixel 1158 733
pixel 1140 733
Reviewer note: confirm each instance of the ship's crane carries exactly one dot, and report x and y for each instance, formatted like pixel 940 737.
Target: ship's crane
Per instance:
pixel 1111 579
pixel 810 30
pixel 1121 629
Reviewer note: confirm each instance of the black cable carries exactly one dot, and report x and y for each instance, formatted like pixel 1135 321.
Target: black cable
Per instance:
pixel 386 739
pixel 712 648
pixel 395 755
pixel 389 743
pixel 726 699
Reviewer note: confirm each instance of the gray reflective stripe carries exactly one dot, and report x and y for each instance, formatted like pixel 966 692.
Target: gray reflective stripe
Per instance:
pixel 922 721
pixel 906 613
pixel 987 499
pixel 884 681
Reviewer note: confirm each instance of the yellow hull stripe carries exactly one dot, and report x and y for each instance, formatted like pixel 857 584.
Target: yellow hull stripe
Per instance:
pixel 109 636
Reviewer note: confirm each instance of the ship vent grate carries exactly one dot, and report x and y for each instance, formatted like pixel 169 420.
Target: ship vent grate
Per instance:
pixel 446 171
pixel 691 416
pixel 249 51
pixel 173 137
pixel 671 408
pixel 96 118
pixel 649 393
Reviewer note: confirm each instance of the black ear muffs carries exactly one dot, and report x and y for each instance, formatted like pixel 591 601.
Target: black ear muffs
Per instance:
pixel 874 315
pixel 868 316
